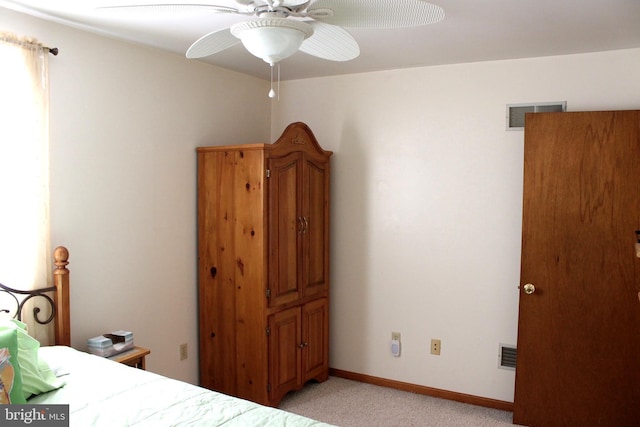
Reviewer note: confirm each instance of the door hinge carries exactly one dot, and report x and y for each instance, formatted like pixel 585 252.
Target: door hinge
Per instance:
pixel 268 173
pixel 268 330
pixel 268 292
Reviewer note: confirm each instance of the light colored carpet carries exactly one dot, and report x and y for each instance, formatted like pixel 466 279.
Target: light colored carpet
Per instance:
pixel 347 403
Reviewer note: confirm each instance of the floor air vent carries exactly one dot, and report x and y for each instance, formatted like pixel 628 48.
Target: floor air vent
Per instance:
pixel 508 356
pixel 516 112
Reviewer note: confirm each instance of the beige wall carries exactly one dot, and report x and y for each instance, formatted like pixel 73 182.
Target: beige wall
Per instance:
pixel 124 124
pixel 426 206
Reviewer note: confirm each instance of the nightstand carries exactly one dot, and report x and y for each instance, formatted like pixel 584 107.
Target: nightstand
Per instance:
pixel 134 357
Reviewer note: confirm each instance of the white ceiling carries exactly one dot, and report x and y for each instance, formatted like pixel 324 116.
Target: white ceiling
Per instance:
pixel 472 30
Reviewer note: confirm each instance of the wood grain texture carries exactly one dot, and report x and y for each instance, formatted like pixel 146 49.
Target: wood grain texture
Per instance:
pixel 260 223
pixel 579 332
pixel 62 328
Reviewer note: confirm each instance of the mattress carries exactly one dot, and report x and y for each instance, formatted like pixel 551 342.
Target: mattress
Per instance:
pixel 101 392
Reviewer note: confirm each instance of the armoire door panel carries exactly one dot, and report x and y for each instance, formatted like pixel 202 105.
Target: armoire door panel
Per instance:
pixel 285 228
pixel 285 339
pixel 315 334
pixel 316 239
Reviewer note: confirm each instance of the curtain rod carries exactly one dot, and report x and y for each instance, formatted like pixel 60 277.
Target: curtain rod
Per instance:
pixel 12 38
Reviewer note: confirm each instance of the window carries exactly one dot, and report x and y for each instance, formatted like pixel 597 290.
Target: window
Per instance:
pixel 25 255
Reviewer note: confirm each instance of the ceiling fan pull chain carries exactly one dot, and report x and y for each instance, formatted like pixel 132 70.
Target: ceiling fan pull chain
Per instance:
pixel 272 94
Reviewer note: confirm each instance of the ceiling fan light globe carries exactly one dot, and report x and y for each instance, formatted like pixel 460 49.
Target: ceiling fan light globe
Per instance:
pixel 272 44
pixel 272 39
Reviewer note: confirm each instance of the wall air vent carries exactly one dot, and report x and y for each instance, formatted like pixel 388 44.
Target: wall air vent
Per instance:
pixel 516 112
pixel 508 356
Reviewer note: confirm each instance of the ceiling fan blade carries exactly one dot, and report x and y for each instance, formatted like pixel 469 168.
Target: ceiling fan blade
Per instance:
pixel 176 7
pixel 376 13
pixel 330 42
pixel 211 43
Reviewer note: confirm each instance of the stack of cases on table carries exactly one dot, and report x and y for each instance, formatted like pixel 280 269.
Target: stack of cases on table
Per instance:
pixel 110 344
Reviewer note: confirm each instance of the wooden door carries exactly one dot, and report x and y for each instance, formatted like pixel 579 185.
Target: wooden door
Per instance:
pixel 285 340
pixel 315 214
pixel 285 227
pixel 578 358
pixel 315 336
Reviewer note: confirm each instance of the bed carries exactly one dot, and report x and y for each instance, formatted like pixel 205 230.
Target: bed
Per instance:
pixel 98 391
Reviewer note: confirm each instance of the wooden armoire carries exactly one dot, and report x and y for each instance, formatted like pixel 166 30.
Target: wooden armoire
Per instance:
pixel 263 266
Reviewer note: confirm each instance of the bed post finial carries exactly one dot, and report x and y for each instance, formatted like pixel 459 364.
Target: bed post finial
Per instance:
pixel 61 258
pixel 61 282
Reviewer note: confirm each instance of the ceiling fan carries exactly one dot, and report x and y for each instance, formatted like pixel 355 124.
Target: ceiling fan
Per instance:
pixel 314 27
pixel 279 28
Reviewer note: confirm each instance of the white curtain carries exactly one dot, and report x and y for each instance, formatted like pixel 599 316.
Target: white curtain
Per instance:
pixel 25 248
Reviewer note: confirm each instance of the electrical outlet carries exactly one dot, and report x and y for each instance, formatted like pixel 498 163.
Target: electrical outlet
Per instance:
pixel 184 351
pixel 435 347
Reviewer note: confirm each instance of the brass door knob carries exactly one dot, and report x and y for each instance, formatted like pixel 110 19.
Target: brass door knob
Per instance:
pixel 529 289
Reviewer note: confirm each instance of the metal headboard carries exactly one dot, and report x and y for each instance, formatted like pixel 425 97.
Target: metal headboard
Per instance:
pixel 56 297
pixel 20 298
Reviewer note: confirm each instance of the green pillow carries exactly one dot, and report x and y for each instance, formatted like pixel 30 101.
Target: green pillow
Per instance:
pixel 10 373
pixel 36 376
